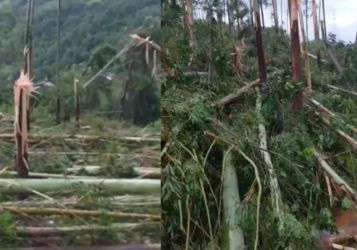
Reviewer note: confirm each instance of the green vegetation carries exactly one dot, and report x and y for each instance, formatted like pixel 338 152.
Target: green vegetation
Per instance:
pixel 192 174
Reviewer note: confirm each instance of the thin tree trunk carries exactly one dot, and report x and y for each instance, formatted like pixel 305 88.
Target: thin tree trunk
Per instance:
pixel 58 103
pixel 229 16
pixel 316 32
pixel 262 13
pixel 259 44
pixel 306 57
pixel 275 15
pixel 188 19
pixel 77 108
pixel 324 16
pixel 307 18
pixel 295 52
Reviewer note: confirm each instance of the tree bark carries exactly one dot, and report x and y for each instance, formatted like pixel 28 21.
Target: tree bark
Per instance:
pixel 275 15
pixel 316 32
pixel 233 234
pixel 295 52
pixel 259 44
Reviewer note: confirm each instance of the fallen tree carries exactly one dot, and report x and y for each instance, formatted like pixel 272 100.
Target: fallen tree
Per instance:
pixel 110 186
pixel 335 177
pixel 232 98
pixel 77 212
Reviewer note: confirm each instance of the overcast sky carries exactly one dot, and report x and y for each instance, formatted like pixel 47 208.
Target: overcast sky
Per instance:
pixel 341 17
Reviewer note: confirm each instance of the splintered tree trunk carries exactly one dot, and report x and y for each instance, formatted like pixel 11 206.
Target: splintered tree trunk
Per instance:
pixel 295 51
pixel 259 43
pixel 22 105
pixel 316 32
pixel 275 15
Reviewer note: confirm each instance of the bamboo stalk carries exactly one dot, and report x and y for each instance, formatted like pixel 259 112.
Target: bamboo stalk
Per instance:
pixel 232 98
pixel 112 186
pixel 77 212
pixel 321 161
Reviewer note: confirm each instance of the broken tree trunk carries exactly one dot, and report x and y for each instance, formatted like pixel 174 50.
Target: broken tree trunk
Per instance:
pixel 333 174
pixel 295 52
pixel 112 186
pixel 328 113
pixel 232 98
pixel 22 91
pixel 340 133
pixel 341 90
pixel 233 234
pixel 188 19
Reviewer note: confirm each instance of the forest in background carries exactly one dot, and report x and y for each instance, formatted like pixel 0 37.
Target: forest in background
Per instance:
pixel 91 33
pixel 259 148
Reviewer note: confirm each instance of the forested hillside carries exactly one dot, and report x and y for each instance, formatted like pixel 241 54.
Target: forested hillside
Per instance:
pixel 80 124
pixel 91 32
pixel 258 128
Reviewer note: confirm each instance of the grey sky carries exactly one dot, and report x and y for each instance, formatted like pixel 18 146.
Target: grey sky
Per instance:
pixel 341 17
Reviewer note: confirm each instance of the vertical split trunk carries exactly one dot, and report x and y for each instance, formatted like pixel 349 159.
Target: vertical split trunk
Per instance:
pixel 259 43
pixel 306 57
pixel 58 102
pixel 295 52
pixel 22 121
pixel 275 15
pixel 316 32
